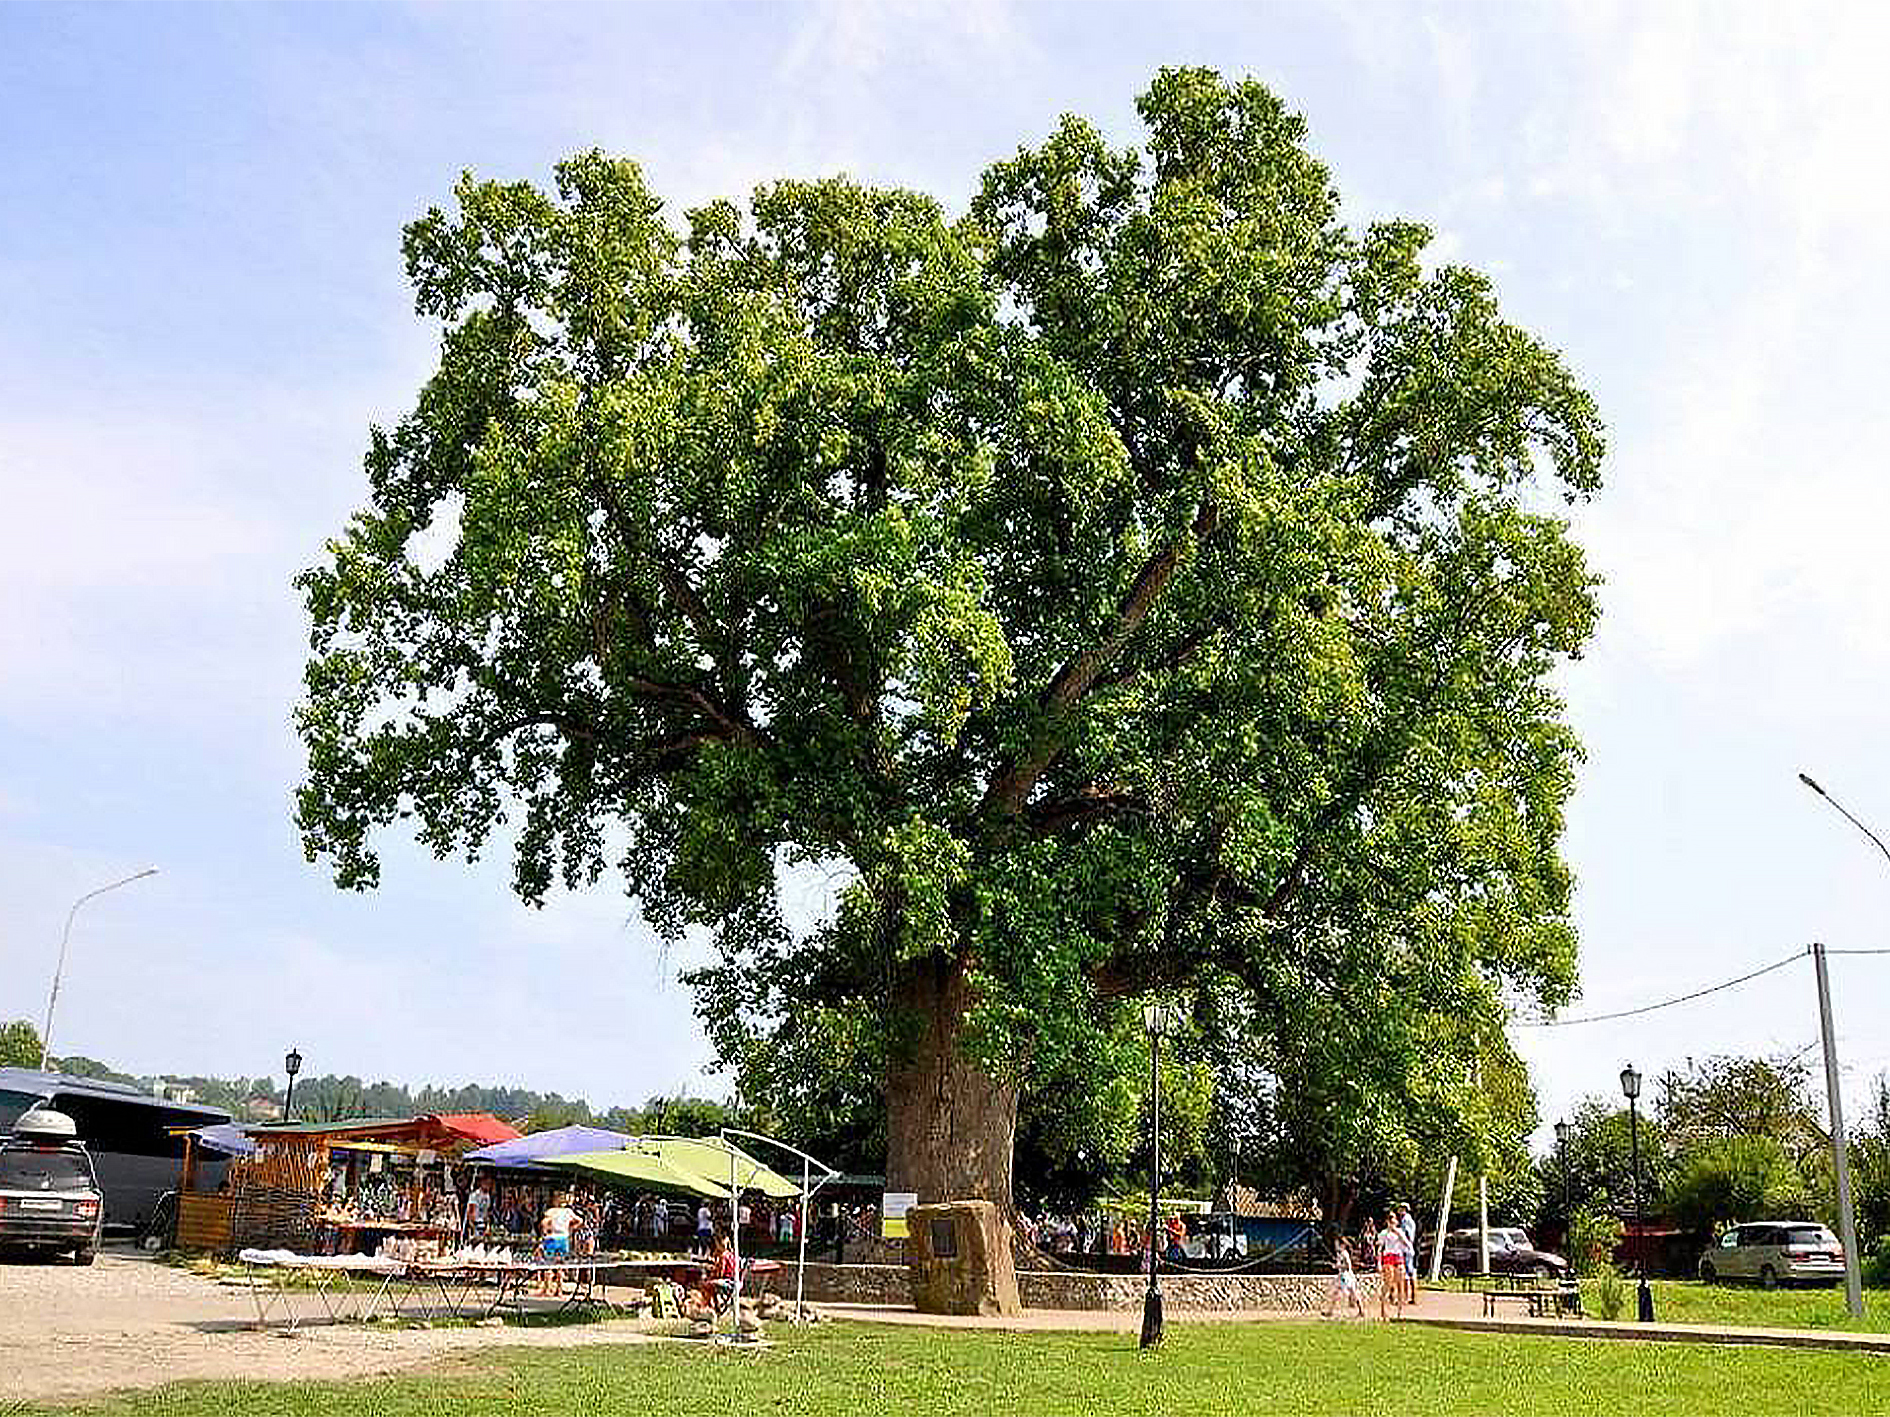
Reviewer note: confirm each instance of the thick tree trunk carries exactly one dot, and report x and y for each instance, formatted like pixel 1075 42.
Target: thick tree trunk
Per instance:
pixel 950 1125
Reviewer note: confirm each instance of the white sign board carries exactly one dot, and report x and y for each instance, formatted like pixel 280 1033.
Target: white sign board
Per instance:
pixel 893 1206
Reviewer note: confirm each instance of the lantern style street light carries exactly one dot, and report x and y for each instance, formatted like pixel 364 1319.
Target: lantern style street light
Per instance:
pixel 1631 1089
pixel 291 1064
pixel 1158 1020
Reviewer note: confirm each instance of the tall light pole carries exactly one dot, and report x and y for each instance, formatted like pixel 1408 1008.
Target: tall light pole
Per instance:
pixel 291 1064
pixel 1840 1148
pixel 1631 1089
pixel 1155 1018
pixel 59 970
pixel 1561 1155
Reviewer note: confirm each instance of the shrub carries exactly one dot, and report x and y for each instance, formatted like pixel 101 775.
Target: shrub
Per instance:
pixel 1608 1293
pixel 1876 1263
pixel 1592 1238
pixel 1739 1178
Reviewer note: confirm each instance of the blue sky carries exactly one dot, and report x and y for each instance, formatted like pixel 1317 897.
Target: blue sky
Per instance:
pixel 202 309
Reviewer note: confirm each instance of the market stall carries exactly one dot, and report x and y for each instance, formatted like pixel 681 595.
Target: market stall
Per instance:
pixel 373 1184
pixel 511 1184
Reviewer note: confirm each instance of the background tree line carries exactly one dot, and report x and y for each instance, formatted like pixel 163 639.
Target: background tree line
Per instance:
pixel 1726 1139
pixel 330 1097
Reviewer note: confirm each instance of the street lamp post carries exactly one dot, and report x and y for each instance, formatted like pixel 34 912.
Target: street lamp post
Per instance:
pixel 1155 1017
pixel 291 1064
pixel 1561 1155
pixel 1631 1089
pixel 59 970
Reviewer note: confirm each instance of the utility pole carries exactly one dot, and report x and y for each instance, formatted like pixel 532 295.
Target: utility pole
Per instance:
pixel 1443 1219
pixel 1840 1154
pixel 1840 1150
pixel 1483 1223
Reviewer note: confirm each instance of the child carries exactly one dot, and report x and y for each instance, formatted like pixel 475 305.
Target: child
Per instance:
pixel 1344 1281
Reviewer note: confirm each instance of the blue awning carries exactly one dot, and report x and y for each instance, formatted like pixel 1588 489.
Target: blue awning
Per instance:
pixel 226 1138
pixel 546 1145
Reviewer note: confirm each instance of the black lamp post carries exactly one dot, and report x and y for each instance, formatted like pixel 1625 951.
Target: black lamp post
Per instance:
pixel 1631 1089
pixel 291 1064
pixel 1562 1130
pixel 1155 1017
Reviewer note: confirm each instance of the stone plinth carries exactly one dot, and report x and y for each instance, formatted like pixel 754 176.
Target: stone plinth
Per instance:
pixel 958 1259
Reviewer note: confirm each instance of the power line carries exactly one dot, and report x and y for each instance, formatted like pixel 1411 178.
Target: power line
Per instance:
pixel 1857 952
pixel 1665 1003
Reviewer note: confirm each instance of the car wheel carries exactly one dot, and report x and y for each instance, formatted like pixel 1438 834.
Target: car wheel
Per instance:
pixel 1768 1277
pixel 1447 1271
pixel 1543 1271
pixel 151 1243
pixel 1707 1272
pixel 84 1256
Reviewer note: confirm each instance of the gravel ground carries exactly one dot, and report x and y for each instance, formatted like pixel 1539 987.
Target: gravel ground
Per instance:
pixel 129 1322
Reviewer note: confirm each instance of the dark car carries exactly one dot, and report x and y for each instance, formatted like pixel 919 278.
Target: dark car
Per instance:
pixel 1511 1252
pixel 49 1196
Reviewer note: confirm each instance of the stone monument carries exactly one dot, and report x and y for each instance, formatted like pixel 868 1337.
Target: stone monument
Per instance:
pixel 958 1259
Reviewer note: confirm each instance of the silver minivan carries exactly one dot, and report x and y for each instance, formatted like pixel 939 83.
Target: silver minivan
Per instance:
pixel 1775 1252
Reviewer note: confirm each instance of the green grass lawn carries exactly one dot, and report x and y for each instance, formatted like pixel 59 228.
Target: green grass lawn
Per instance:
pixel 1202 1368
pixel 1687 1301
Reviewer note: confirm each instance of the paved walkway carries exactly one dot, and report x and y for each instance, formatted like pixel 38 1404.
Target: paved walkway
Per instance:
pixel 1438 1308
pixel 1123 1320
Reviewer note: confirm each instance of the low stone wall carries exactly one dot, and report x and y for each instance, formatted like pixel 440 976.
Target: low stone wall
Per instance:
pixel 1063 1289
pixel 1302 1293
pixel 850 1284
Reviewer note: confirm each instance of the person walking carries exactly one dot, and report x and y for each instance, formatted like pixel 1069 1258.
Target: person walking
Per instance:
pixel 1390 1266
pixel 1344 1281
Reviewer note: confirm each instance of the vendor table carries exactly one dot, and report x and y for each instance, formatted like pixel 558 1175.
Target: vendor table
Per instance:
pixel 346 1228
pixel 463 1288
pixel 330 1280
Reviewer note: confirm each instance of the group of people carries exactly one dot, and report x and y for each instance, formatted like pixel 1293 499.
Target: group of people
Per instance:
pixel 1101 1233
pixel 1391 1245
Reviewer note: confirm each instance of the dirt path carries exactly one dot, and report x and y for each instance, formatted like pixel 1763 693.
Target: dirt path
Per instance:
pixel 130 1322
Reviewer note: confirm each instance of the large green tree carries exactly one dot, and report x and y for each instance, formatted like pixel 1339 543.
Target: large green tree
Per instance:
pixel 1142 576
pixel 19 1044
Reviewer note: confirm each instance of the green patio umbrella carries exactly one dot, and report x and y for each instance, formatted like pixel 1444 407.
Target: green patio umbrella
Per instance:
pixel 646 1170
pixel 709 1158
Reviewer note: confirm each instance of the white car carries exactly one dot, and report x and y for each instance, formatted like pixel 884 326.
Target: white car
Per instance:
pixel 1776 1252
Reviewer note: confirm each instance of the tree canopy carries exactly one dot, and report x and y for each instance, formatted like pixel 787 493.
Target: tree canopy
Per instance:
pixel 1141 580
pixel 19 1044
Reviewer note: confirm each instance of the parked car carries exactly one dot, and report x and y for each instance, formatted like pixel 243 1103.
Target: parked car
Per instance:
pixel 1776 1252
pixel 1511 1252
pixel 49 1195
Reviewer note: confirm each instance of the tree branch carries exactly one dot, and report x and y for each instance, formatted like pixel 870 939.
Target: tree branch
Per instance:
pixel 1012 788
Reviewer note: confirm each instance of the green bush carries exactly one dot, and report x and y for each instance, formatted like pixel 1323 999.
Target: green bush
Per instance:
pixel 1739 1178
pixel 1592 1238
pixel 1608 1293
pixel 1876 1263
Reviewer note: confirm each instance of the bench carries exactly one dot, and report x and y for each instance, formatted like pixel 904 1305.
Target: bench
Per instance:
pixel 1492 1297
pixel 1541 1303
